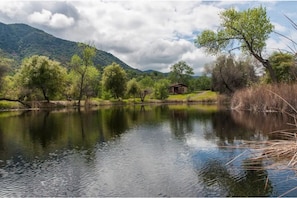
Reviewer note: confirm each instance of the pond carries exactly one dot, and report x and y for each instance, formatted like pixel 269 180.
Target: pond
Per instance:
pixel 161 150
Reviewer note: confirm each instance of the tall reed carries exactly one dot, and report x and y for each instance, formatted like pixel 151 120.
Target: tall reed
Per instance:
pixel 279 153
pixel 266 98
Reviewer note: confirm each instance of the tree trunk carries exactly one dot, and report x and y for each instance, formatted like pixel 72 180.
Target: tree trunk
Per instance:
pixel 268 66
pixel 13 100
pixel 44 95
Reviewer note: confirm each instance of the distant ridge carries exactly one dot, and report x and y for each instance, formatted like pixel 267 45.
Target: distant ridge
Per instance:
pixel 20 40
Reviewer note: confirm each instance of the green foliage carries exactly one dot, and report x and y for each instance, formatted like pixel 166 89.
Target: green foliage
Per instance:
pixel 91 86
pixel 5 65
pixel 41 73
pixel 181 73
pixel 83 66
pixel 247 30
pixel 201 83
pixel 284 66
pixel 133 87
pixel 251 28
pixel 9 88
pixel 229 75
pixel 146 82
pixel 161 91
pixel 114 79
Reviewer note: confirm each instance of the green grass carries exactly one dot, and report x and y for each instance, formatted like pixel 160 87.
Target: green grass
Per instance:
pixel 9 105
pixel 205 96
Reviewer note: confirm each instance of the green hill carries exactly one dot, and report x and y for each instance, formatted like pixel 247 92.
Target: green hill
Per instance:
pixel 19 41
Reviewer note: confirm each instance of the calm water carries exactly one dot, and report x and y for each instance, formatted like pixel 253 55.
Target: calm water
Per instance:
pixel 135 151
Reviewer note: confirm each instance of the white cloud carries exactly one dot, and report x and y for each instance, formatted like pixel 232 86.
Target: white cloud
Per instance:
pixel 279 28
pixel 144 34
pixel 42 17
pixel 45 17
pixel 61 21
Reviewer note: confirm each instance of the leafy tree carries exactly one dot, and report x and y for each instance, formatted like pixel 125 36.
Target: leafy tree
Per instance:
pixel 228 75
pixel 146 82
pixel 161 91
pixel 201 83
pixel 284 66
pixel 133 87
pixel 90 87
pixel 5 64
pixel 114 79
pixel 81 64
pixel 146 87
pixel 41 73
pixel 181 72
pixel 247 30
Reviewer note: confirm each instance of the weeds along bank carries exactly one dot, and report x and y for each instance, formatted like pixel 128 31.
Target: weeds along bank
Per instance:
pixel 266 98
pixel 279 152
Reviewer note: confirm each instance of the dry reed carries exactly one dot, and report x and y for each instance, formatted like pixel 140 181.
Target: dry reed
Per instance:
pixel 266 98
pixel 279 153
pixel 272 155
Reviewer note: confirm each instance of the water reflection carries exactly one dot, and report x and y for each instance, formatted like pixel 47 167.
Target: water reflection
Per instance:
pixel 130 151
pixel 232 183
pixel 263 123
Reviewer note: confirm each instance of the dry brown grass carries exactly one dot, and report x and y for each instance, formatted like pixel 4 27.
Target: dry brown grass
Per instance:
pixel 276 155
pixel 281 152
pixel 266 98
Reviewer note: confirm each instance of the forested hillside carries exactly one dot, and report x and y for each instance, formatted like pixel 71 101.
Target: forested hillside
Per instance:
pixel 19 41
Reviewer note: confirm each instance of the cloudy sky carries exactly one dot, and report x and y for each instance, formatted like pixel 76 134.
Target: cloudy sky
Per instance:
pixel 145 34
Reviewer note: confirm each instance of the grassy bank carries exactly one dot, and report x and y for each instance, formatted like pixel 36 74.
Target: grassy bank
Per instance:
pixel 266 98
pixel 203 97
pixel 208 97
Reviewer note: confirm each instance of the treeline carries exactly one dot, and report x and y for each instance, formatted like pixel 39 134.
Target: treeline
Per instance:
pixel 40 78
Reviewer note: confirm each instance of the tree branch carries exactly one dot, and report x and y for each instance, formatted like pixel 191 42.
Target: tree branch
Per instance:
pixel 16 100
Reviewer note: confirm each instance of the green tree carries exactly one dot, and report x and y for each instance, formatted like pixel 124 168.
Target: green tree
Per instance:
pixel 181 73
pixel 247 30
pixel 133 88
pixel 41 73
pixel 228 75
pixel 201 83
pixel 146 82
pixel 80 64
pixel 90 86
pixel 146 87
pixel 161 91
pixel 114 79
pixel 284 66
pixel 5 65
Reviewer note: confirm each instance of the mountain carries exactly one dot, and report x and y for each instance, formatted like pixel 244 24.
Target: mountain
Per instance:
pixel 19 41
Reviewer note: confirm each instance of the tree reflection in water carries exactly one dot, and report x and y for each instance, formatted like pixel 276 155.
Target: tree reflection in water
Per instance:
pixel 84 135
pixel 215 174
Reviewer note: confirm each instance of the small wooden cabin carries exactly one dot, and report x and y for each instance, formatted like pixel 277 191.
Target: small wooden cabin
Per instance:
pixel 178 88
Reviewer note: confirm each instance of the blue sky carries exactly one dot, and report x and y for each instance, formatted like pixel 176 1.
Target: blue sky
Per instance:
pixel 146 34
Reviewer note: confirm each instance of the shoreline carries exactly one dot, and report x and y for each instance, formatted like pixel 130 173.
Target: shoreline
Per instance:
pixel 44 105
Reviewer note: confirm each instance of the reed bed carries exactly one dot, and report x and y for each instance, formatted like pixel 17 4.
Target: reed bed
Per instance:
pixel 279 153
pixel 266 98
